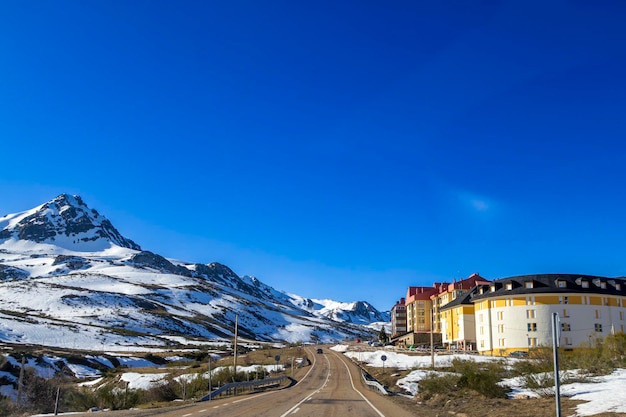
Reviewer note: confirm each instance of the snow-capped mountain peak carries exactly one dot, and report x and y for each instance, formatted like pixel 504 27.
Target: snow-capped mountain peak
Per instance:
pixel 65 270
pixel 360 312
pixel 67 222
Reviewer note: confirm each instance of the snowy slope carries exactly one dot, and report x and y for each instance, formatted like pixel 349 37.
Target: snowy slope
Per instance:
pixel 69 279
pixel 359 312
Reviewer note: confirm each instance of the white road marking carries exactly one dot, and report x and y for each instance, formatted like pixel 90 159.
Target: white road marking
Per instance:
pixel 313 393
pixel 359 392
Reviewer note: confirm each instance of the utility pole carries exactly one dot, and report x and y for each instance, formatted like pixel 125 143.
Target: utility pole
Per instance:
pixel 555 351
pixel 432 342
pixel 20 382
pixel 56 402
pixel 235 349
pixel 210 379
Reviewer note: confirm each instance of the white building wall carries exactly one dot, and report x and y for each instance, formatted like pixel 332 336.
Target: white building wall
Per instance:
pixel 507 328
pixel 467 329
pixel 444 332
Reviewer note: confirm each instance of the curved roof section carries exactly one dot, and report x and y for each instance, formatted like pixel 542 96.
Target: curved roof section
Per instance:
pixel 553 283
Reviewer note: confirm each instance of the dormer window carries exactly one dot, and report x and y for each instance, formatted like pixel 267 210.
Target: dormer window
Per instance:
pixel 561 284
pixel 603 285
pixel 528 284
pixel 584 284
pixel 493 288
pixel 509 286
pixel 618 287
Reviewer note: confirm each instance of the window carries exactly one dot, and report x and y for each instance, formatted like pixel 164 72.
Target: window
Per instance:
pixel 621 315
pixel 605 301
pixel 565 327
pixel 530 314
pixel 598 327
pixel 480 318
pixel 500 328
pixel 565 313
pixel 509 286
pixel 501 342
pixel 500 315
pixel 482 343
pixel 532 327
pixel 561 284
pixel 618 287
pixel 532 341
pixel 528 284
pixel 597 314
pixel 568 341
pixel 603 285
pixel 482 330
pixel 584 284
pixel 564 300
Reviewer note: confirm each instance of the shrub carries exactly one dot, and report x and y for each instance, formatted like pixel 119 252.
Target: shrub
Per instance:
pixel 482 377
pixel 7 407
pixel 225 375
pixel 77 399
pixel 166 391
pixel 614 349
pixel 593 361
pixel 541 362
pixel 434 384
pixel 40 393
pixel 115 398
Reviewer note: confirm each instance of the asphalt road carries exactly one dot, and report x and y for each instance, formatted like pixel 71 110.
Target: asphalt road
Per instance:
pixel 332 387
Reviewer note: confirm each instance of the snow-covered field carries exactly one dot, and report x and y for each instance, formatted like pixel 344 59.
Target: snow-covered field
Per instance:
pixel 603 394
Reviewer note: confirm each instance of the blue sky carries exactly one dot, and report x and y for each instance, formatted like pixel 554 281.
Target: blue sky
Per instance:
pixel 340 150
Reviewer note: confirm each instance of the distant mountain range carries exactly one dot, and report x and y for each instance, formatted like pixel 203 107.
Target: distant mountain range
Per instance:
pixel 68 278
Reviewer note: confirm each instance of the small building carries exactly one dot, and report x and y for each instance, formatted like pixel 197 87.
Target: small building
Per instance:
pixel 398 318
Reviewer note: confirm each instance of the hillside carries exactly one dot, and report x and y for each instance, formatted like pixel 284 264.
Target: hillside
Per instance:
pixel 69 278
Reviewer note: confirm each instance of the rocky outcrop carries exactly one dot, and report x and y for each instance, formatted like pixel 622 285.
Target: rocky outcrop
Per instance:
pixel 11 273
pixel 152 260
pixel 66 216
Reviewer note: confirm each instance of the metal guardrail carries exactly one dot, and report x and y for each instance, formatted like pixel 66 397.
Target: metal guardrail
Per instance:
pixel 235 386
pixel 372 383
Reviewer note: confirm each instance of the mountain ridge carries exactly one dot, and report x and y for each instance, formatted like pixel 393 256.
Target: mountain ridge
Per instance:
pixel 65 267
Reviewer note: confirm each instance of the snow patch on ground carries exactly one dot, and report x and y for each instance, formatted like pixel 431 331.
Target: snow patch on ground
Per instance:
pixel 601 395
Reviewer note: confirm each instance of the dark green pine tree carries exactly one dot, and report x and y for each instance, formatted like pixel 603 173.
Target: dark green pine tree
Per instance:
pixel 382 336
